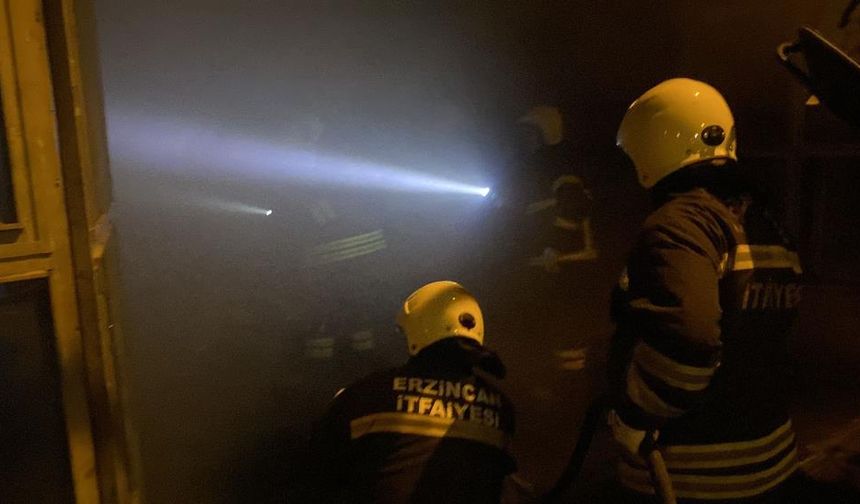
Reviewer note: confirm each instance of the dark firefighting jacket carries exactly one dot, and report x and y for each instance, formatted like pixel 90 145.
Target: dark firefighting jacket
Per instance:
pixel 703 313
pixel 430 431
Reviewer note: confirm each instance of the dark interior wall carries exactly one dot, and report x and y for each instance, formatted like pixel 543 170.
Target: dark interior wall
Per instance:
pixel 584 54
pixel 219 392
pixel 34 455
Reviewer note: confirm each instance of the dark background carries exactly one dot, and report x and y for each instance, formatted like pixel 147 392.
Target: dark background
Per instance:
pixel 216 302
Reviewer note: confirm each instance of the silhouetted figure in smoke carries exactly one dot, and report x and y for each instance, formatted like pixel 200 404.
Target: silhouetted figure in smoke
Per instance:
pixel 541 233
pixel 537 265
pixel 433 430
pixel 545 194
pixel 341 266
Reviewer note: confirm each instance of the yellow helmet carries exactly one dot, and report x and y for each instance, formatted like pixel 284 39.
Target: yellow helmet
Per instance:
pixel 548 120
pixel 676 123
pixel 437 311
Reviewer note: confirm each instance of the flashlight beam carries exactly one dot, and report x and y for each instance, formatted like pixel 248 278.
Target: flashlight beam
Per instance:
pixel 170 144
pixel 219 205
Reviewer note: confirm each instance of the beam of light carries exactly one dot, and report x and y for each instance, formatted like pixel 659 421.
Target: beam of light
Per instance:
pixel 196 151
pixel 232 206
pixel 220 205
pixel 179 201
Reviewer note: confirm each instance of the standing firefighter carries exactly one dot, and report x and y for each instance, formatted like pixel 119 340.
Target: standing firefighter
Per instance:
pixel 547 200
pixel 703 312
pixel 432 430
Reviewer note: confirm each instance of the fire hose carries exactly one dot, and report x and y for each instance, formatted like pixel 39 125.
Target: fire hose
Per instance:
pixel 594 417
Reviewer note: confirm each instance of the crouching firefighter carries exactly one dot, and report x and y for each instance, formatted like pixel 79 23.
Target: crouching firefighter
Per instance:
pixel 433 430
pixel 703 312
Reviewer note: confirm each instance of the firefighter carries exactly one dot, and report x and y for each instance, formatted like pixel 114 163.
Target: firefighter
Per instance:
pixel 432 430
pixel 703 312
pixel 344 253
pixel 548 198
pixel 543 249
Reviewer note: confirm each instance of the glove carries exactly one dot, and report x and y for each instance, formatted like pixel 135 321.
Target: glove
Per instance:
pixel 635 441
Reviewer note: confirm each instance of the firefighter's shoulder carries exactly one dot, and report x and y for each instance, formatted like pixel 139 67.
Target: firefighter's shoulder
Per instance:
pixel 380 379
pixel 370 388
pixel 695 220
